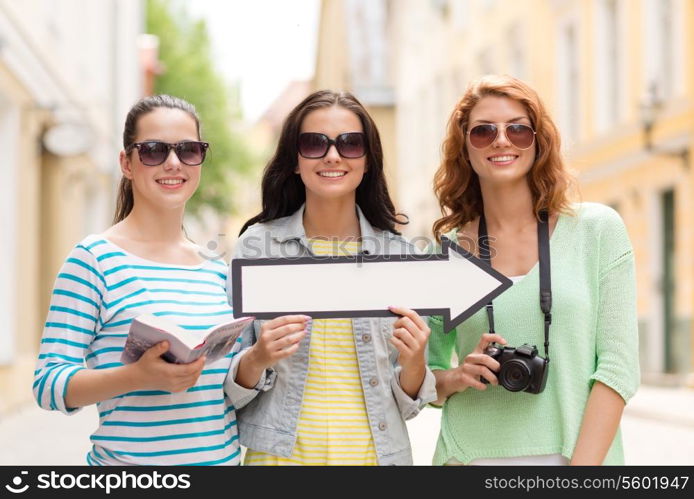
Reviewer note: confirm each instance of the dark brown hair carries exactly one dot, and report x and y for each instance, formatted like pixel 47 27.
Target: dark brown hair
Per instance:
pixel 457 186
pixel 283 192
pixel 125 200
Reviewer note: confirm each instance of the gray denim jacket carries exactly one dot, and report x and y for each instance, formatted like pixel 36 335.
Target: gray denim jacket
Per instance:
pixel 267 415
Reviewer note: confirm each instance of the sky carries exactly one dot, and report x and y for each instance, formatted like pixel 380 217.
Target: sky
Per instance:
pixel 264 44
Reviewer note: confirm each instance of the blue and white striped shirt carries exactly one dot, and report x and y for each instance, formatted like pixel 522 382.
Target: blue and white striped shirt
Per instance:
pixel 97 293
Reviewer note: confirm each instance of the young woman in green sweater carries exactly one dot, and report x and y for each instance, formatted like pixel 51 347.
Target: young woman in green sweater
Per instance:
pixel 502 167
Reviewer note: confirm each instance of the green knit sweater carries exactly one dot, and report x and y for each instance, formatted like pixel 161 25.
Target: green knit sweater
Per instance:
pixel 593 338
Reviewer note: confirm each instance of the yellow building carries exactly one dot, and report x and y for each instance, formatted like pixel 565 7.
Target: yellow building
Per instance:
pixel 610 71
pixel 631 141
pixel 354 55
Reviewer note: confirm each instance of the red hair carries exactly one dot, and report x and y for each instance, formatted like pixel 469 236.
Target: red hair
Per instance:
pixel 457 186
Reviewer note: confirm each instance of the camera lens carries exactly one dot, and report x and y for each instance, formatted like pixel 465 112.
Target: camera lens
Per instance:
pixel 514 375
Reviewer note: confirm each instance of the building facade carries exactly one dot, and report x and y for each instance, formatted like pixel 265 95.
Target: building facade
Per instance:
pixel 354 54
pixel 618 79
pixel 69 71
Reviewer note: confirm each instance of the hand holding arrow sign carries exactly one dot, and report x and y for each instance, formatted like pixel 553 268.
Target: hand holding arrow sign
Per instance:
pixel 454 284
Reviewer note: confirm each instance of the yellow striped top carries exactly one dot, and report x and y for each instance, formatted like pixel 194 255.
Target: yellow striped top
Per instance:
pixel 333 428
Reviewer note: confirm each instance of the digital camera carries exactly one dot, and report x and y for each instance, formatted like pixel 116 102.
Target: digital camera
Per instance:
pixel 521 368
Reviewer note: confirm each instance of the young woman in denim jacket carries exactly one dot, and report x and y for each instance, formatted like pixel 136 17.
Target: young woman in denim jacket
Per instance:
pixel 335 391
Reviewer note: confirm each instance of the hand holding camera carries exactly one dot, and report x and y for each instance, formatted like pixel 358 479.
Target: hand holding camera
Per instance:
pixel 475 366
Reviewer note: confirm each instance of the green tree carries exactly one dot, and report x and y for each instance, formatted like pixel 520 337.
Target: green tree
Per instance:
pixel 189 73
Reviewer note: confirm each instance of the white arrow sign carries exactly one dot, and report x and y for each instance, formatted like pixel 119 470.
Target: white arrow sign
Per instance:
pixel 454 284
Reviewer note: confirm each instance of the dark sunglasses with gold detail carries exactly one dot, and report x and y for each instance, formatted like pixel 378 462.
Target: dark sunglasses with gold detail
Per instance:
pixel 483 135
pixel 155 152
pixel 349 145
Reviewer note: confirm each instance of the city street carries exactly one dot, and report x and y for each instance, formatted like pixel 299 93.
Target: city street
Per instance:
pixel 658 429
pixel 583 108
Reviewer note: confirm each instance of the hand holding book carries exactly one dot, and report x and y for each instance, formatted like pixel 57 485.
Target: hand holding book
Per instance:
pixel 184 345
pixel 152 372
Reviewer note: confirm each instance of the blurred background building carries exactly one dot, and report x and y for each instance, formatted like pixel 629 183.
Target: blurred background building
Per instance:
pixel 618 78
pixel 355 52
pixel 69 70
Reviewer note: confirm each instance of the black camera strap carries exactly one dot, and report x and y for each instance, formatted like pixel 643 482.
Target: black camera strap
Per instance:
pixel 545 274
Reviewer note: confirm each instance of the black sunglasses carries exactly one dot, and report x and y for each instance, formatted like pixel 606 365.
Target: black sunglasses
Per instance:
pixel 155 152
pixel 349 145
pixel 520 135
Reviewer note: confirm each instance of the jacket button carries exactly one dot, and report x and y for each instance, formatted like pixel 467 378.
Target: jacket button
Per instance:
pixel 382 426
pixel 373 381
pixel 366 338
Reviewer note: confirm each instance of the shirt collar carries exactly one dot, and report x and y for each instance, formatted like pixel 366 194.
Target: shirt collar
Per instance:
pixel 293 229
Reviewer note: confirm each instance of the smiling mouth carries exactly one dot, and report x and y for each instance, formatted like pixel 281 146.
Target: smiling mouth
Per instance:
pixel 508 158
pixel 332 174
pixel 170 181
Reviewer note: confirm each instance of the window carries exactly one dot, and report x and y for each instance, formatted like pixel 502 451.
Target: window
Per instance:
pixel 609 62
pixel 441 6
pixel 664 41
pixel 460 17
pixel 9 140
pixel 516 56
pixel 662 47
pixel 485 62
pixel 568 79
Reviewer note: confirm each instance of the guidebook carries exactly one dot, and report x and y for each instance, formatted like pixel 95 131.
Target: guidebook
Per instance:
pixel 184 345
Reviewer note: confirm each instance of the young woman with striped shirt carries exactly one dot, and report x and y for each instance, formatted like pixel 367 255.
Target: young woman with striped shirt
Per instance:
pixel 330 391
pixel 150 412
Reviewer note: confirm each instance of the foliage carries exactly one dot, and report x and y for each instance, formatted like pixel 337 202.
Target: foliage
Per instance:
pixel 189 73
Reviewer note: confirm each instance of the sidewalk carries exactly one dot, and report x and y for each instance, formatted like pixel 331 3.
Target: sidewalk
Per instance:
pixel 673 406
pixel 657 428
